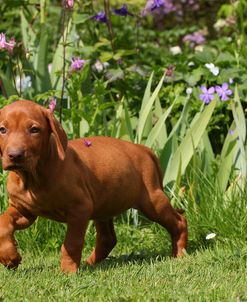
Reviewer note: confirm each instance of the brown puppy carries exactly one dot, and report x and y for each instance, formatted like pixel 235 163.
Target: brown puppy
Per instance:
pixel 73 183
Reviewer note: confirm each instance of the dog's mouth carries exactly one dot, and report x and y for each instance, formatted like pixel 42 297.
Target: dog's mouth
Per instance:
pixel 14 167
pixel 23 165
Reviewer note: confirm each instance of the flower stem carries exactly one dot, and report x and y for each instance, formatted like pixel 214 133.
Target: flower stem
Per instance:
pixel 109 24
pixel 13 75
pixel 42 11
pixel 64 65
pixel 20 75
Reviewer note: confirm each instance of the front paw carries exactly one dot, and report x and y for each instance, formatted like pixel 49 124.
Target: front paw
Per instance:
pixel 9 256
pixel 11 262
pixel 69 263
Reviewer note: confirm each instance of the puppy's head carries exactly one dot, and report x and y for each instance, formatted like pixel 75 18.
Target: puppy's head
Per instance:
pixel 29 133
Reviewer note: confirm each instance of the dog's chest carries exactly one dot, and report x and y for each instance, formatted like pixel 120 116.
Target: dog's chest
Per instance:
pixel 39 203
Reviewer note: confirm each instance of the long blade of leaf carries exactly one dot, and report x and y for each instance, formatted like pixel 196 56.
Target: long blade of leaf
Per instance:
pixel 147 92
pixel 147 109
pixel 177 131
pixel 227 158
pixel 43 82
pixel 188 145
pixel 239 118
pixel 158 126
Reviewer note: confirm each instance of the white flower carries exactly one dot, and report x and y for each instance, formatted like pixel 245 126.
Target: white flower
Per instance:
pixel 191 64
pixel 221 23
pixel 23 83
pixel 175 50
pixel 199 48
pixel 212 68
pixel 210 236
pixel 189 90
pixel 99 67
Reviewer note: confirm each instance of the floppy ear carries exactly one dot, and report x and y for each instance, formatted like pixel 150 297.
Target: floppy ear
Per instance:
pixel 58 133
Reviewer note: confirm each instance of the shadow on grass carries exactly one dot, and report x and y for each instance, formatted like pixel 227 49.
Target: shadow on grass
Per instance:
pixel 144 257
pixel 125 260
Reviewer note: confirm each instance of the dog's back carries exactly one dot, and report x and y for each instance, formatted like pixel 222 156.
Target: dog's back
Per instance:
pixel 119 174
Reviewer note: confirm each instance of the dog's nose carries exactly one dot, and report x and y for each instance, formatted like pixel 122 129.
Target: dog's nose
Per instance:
pixel 16 154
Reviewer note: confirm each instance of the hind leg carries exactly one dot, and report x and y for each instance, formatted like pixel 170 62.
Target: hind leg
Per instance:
pixel 158 208
pixel 105 241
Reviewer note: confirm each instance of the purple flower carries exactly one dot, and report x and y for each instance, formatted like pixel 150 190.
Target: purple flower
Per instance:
pixel 100 17
pixel 158 7
pixel 207 94
pixel 10 45
pixel 231 132
pixel 52 104
pixel 193 4
pixel 68 4
pixel 7 45
pixel 223 91
pixel 2 41
pixel 157 4
pixel 87 143
pixel 122 11
pixel 194 38
pixel 76 64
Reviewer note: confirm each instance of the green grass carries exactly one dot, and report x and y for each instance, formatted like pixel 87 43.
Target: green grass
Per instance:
pixel 139 268
pixel 217 274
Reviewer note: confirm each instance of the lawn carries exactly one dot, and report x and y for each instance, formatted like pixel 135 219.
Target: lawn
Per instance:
pixel 173 79
pixel 212 274
pixel 140 268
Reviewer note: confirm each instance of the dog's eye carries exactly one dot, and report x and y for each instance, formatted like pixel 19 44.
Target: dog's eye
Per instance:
pixel 3 130
pixel 34 130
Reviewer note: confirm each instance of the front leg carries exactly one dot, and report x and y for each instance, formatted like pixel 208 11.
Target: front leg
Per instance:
pixel 74 241
pixel 10 221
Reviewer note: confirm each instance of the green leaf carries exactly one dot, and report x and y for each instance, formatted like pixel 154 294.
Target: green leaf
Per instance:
pixel 227 159
pixel 239 115
pixel 102 42
pixel 177 131
pixel 239 118
pixel 105 56
pixel 225 57
pixel 123 128
pixel 187 147
pixel 158 127
pixel 28 35
pixel 207 155
pixel 147 109
pixel 7 82
pixel 193 78
pixel 206 56
pixel 57 63
pixel 162 136
pixel 80 18
pixel 147 93
pixel 123 53
pixel 128 122
pixel 43 81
